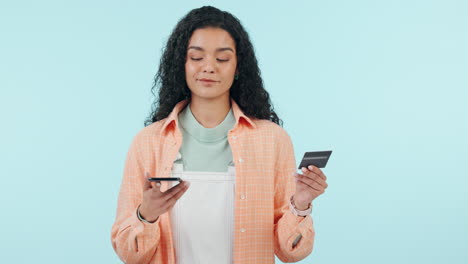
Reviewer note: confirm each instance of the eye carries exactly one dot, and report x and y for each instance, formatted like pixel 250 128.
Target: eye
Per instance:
pixel 220 60
pixel 196 59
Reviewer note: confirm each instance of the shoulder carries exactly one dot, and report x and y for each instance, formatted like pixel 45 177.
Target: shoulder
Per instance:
pixel 150 134
pixel 267 127
pixel 270 139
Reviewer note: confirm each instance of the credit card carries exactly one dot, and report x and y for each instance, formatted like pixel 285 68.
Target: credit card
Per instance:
pixel 315 158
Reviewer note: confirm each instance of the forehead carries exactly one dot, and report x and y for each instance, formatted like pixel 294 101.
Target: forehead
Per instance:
pixel 211 39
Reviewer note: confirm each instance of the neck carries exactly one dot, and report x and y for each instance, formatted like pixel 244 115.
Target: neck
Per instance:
pixel 210 112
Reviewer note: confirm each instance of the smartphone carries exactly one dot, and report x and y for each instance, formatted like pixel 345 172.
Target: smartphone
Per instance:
pixel 164 179
pixel 315 158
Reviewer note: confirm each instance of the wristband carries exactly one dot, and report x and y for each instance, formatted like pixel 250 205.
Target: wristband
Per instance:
pixel 298 212
pixel 142 219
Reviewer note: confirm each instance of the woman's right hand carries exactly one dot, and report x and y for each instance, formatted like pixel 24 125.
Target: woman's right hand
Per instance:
pixel 155 202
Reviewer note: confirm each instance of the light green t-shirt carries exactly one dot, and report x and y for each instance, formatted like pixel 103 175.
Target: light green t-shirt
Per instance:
pixel 205 149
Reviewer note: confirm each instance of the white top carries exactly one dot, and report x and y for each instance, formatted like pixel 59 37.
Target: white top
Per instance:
pixel 203 218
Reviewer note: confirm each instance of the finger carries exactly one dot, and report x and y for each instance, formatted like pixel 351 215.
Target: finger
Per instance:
pixel 315 170
pixel 322 182
pixel 310 183
pixel 315 178
pixel 157 187
pixel 175 189
pixel 178 194
pixel 171 198
pixel 318 171
pixel 147 183
pixel 303 184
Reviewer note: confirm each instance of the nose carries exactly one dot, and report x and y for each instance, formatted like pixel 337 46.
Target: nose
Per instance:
pixel 209 66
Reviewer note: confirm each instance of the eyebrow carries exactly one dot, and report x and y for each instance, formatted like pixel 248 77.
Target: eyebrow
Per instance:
pixel 217 50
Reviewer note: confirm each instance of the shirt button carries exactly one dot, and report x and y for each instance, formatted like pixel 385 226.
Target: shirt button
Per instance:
pixel 242 230
pixel 241 160
pixel 234 137
pixel 243 197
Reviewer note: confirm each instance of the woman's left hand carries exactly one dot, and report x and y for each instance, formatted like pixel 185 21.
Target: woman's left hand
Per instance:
pixel 309 186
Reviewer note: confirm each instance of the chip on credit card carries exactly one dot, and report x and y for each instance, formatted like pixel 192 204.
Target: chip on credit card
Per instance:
pixel 315 158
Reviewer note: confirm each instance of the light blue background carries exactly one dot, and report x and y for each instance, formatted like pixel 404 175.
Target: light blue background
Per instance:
pixel 381 83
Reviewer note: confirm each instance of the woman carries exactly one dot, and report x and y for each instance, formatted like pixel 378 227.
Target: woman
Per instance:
pixel 214 127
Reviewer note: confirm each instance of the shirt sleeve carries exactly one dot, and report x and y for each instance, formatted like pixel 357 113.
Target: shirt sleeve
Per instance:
pixel 289 229
pixel 133 240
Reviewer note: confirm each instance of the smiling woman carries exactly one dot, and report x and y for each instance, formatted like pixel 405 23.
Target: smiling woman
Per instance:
pixel 171 82
pixel 213 126
pixel 211 65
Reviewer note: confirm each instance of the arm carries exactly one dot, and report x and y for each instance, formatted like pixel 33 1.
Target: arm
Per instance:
pixel 294 235
pixel 134 241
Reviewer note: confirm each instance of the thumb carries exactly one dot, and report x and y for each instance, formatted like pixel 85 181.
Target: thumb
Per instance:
pixel 147 183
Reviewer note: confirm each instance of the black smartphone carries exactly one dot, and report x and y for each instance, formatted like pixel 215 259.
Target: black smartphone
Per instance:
pixel 164 179
pixel 315 158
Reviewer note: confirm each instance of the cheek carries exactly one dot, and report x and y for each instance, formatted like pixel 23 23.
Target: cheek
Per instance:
pixel 189 75
pixel 234 66
pixel 230 70
pixel 190 69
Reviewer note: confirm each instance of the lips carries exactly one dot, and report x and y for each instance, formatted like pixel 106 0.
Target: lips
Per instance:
pixel 206 80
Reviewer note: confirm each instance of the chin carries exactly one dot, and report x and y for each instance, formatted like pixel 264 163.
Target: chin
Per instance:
pixel 207 93
pixel 207 96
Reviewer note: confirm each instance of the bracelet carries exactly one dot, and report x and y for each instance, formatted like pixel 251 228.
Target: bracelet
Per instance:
pixel 298 212
pixel 142 219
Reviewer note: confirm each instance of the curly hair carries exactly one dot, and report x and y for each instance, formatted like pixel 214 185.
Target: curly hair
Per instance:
pixel 247 90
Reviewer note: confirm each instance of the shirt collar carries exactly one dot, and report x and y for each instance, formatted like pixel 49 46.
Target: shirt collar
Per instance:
pixel 172 122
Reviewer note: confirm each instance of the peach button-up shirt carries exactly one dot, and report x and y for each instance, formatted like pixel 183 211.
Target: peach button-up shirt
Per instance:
pixel 264 225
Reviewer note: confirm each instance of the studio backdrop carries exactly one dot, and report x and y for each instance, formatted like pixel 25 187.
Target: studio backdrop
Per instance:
pixel 381 83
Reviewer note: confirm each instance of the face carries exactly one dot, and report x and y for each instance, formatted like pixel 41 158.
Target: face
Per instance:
pixel 211 63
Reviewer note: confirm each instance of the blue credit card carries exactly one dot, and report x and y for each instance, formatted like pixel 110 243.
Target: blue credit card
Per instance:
pixel 315 158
